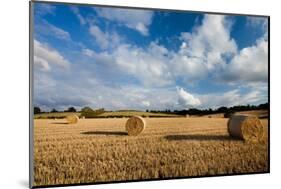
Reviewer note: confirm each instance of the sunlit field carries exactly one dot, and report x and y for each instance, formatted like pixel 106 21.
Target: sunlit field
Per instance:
pixel 99 150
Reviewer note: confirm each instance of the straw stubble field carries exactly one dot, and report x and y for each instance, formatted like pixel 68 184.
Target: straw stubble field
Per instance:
pixel 99 150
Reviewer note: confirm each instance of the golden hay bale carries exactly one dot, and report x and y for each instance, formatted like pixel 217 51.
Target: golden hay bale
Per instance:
pixel 71 119
pixel 248 128
pixel 135 125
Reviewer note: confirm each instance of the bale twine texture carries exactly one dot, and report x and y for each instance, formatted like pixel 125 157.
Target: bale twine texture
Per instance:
pixel 135 125
pixel 248 128
pixel 71 119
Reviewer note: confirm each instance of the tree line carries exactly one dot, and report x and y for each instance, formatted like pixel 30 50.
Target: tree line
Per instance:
pixel 37 110
pixel 191 111
pixel 85 112
pixel 223 109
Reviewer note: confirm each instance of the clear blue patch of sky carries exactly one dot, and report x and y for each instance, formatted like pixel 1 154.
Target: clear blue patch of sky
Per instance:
pixel 167 27
pixel 244 34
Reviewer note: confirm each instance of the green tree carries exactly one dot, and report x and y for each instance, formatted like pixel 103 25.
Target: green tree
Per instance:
pixel 53 110
pixel 222 109
pixel 228 113
pixel 90 113
pixel 37 110
pixel 71 109
pixel 87 109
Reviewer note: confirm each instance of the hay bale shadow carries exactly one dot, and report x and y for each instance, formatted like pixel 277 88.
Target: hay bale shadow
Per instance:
pixel 198 137
pixel 113 133
pixel 60 123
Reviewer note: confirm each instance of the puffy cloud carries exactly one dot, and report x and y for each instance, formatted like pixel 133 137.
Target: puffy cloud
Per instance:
pixel 254 94
pixel 141 28
pixel 250 64
pixel 104 39
pixel 209 42
pixel 186 99
pixel 76 11
pixel 102 57
pixel 44 57
pixel 138 20
pixel 88 52
pixel 153 66
pixel 52 94
pixel 149 66
pixel 188 68
pixel 101 37
pixel 156 66
pixel 41 63
pixel 51 88
pixel 145 103
pixel 215 100
pixel 202 54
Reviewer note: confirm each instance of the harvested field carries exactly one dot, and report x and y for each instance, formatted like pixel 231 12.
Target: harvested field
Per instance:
pixel 99 150
pixel 115 114
pixel 259 113
pixel 262 114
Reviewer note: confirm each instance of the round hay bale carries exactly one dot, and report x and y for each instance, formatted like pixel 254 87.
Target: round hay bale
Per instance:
pixel 248 128
pixel 71 119
pixel 135 125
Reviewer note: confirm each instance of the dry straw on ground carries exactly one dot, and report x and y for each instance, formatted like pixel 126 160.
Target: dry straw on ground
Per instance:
pixel 169 148
pixel 71 119
pixel 248 128
pixel 135 125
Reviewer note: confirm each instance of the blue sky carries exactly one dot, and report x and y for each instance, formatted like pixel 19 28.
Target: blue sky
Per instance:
pixel 147 59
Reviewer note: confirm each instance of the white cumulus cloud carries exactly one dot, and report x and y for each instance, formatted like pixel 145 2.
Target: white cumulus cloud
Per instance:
pixel 104 39
pixel 250 64
pixel 44 57
pixel 41 63
pixel 209 42
pixel 138 20
pixel 146 103
pixel 149 66
pixel 186 99
pixel 255 94
pixel 202 54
